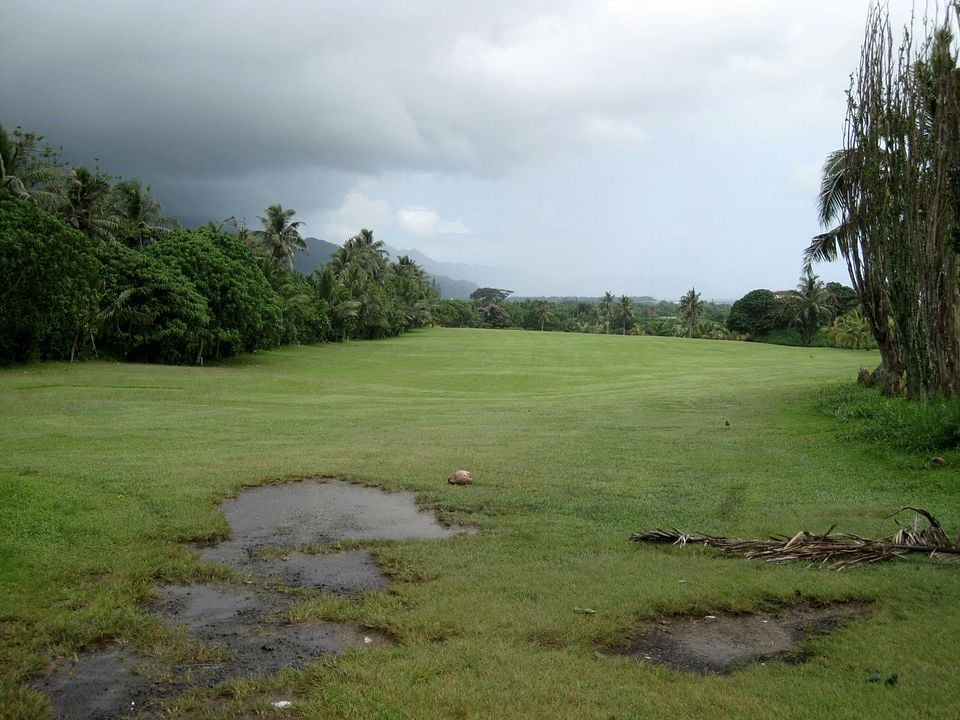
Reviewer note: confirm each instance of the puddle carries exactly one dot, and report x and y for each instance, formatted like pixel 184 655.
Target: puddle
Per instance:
pixel 721 643
pixel 318 513
pixel 244 623
pixel 243 626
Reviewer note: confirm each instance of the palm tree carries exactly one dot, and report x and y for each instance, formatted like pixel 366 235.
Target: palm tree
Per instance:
pixel 140 214
pixel 625 311
pixel 29 171
pixel 541 312
pixel 850 331
pixel 809 306
pixel 280 237
pixel 363 252
pixel 87 203
pixel 606 310
pixel 692 309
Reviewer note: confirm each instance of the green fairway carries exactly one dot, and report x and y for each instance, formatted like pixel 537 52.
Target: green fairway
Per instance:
pixel 574 442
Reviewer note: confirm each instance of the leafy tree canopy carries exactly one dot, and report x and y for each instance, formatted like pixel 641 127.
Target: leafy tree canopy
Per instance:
pixel 754 314
pixel 48 283
pixel 490 296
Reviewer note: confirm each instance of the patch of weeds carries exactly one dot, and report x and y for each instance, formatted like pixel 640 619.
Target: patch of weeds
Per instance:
pixel 895 422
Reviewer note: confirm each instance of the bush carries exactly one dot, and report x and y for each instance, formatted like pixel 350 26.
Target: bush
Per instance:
pixel 455 313
pixel 793 338
pixel 48 283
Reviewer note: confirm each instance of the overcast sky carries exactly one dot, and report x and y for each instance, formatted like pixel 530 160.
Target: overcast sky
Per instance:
pixel 637 146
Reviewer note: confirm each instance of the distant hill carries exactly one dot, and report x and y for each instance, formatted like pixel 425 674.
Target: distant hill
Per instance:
pixel 319 252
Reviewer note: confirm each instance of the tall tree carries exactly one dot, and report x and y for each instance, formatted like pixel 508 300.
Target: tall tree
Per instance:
pixel 692 309
pixel 625 312
pixel 280 237
pixel 140 216
pixel 809 306
pixel 895 187
pixel 606 311
pixel 87 204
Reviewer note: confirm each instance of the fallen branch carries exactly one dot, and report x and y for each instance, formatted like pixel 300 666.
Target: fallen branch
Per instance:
pixel 835 551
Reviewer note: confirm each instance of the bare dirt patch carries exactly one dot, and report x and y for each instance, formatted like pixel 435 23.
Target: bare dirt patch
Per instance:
pixel 722 643
pixel 242 628
pixel 97 685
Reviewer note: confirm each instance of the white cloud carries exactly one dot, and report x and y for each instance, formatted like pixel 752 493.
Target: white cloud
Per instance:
pixel 426 222
pixel 356 213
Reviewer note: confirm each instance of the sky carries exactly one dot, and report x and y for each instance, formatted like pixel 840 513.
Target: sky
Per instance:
pixel 569 147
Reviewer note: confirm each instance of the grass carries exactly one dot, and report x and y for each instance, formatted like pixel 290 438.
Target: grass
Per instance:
pixel 895 422
pixel 574 441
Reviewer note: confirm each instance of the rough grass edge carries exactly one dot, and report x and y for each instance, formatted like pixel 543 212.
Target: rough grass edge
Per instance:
pixel 869 416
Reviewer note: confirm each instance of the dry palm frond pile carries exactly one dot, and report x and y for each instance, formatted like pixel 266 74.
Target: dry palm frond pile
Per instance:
pixel 832 550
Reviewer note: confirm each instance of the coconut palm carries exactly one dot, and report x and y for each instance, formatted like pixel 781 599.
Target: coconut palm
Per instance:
pixel 280 237
pixel 542 312
pixel 140 215
pixel 809 306
pixel 625 312
pixel 28 170
pixel 87 203
pixel 832 211
pixel 692 309
pixel 606 310
pixel 850 331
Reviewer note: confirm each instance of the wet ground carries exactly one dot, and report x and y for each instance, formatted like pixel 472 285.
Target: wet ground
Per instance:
pixel 242 628
pixel 721 643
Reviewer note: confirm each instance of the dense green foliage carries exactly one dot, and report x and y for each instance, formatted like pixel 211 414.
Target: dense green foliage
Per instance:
pixel 149 309
pixel 754 314
pixel 48 283
pixel 245 313
pixel 92 265
pixel 109 470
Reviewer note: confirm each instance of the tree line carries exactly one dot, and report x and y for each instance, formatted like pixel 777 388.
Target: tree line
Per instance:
pixel 90 265
pixel 814 312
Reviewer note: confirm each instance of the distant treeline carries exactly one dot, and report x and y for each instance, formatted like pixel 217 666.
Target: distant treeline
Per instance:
pixel 813 313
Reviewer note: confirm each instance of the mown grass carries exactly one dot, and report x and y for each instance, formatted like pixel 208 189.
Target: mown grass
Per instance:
pixel 574 441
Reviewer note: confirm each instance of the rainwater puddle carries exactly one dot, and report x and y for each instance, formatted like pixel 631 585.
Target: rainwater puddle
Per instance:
pixel 281 517
pixel 244 625
pixel 722 643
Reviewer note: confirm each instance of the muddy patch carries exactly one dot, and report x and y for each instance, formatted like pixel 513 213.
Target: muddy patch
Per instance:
pixel 245 625
pixel 98 685
pixel 722 643
pixel 242 629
